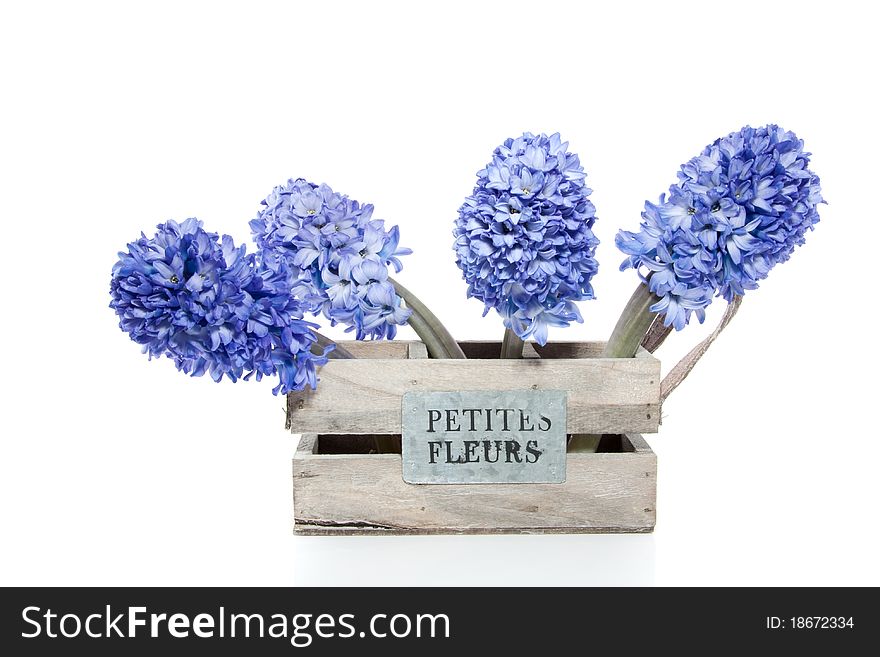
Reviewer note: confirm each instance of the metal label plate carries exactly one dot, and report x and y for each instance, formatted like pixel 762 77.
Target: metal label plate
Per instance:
pixel 484 437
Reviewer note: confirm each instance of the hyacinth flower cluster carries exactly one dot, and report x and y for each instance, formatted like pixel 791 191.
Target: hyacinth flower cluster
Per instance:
pixel 340 253
pixel 523 242
pixel 738 209
pixel 524 239
pixel 206 304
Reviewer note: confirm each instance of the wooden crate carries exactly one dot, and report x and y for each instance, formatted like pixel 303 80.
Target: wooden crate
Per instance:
pixel 363 395
pixel 363 493
pixel 342 488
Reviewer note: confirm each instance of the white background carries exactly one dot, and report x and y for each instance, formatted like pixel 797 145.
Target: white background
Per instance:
pixel 120 471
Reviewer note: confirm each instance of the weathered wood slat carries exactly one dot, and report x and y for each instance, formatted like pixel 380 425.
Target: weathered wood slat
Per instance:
pixel 364 395
pixel 384 349
pixel 365 494
pixel 478 349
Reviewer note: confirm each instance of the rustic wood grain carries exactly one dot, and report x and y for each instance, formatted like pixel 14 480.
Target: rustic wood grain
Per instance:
pixel 365 494
pixel 383 349
pixel 605 395
pixel 417 350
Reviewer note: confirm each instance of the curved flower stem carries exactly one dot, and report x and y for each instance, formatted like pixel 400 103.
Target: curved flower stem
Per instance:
pixel 323 341
pixel 657 335
pixel 633 325
pixel 437 339
pixel 432 342
pixel 631 329
pixel 512 345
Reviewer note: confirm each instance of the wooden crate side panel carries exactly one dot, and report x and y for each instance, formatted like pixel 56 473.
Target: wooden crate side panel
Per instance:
pixel 474 349
pixel 308 445
pixel 364 396
pixel 555 349
pixel 381 349
pixel 338 494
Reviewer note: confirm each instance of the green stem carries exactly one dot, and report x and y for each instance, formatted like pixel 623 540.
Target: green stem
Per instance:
pixel 625 340
pixel 323 341
pixel 584 443
pixel 437 339
pixel 433 344
pixel 512 345
pixel 632 326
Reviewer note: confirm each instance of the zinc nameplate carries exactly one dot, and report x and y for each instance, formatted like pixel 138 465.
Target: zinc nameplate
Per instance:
pixel 484 437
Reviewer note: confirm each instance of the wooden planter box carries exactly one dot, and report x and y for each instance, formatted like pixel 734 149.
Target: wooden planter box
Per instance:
pixel 341 486
pixel 339 493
